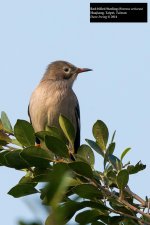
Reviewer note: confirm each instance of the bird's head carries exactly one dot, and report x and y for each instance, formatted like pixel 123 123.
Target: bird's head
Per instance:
pixel 63 71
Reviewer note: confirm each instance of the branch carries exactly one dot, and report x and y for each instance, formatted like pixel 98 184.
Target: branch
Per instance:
pixel 138 198
pixel 125 203
pixel 129 216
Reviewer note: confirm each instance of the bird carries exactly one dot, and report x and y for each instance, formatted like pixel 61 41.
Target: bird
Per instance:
pixel 54 96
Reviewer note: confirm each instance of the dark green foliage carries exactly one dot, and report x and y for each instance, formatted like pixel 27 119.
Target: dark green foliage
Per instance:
pixel 82 169
pixel 59 180
pixel 87 191
pixel 36 156
pixel 57 146
pixel 86 154
pixel 95 146
pixel 101 134
pixel 122 179
pixel 6 123
pixel 124 153
pixel 21 190
pixel 135 169
pixel 14 160
pixel 73 189
pixel 88 216
pixel 3 161
pixel 51 131
pixel 24 133
pixel 115 162
pixel 68 129
pixel 109 152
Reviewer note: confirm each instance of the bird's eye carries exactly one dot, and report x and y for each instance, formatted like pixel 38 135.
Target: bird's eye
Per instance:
pixel 66 69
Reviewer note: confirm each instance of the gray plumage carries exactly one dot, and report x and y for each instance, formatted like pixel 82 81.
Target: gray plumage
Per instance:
pixel 54 96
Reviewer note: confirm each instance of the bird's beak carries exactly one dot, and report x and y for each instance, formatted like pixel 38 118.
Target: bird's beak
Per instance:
pixel 81 70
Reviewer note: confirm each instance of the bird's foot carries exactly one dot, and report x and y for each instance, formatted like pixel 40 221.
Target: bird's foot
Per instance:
pixel 38 145
pixel 58 160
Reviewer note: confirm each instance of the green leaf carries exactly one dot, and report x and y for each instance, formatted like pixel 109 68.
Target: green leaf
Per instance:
pixel 68 129
pixel 60 190
pixel 109 151
pixel 135 169
pixel 87 154
pixel 116 220
pixel 116 163
pixel 42 178
pixel 14 160
pixel 95 146
pixel 119 207
pixel 1 125
pixel 58 183
pixel 57 190
pixel 82 169
pixel 36 156
pixel 3 161
pixel 56 132
pixel 21 190
pixel 88 216
pixel 42 174
pixel 113 136
pixel 28 178
pixel 42 134
pixel 57 146
pixel 111 175
pixel 51 131
pixel 111 148
pixel 6 123
pixel 124 153
pixel 55 218
pixel 122 179
pixel 3 143
pixel 95 205
pixel 87 191
pixel 101 134
pixel 16 142
pixel 24 133
pixel 63 213
pixel 1 147
pixel 69 208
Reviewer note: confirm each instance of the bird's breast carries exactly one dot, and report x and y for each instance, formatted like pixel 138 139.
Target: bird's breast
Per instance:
pixel 48 102
pixel 62 102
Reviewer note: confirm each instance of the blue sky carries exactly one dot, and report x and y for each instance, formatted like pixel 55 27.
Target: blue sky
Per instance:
pixel 34 33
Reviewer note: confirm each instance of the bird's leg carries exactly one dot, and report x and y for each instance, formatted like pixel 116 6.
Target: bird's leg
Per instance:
pixel 71 152
pixel 70 149
pixel 37 143
pixel 58 159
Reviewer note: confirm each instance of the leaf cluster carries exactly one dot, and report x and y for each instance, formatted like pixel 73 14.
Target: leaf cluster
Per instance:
pixel 74 188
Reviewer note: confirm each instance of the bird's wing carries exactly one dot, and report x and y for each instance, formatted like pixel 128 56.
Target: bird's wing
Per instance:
pixel 29 113
pixel 36 139
pixel 77 138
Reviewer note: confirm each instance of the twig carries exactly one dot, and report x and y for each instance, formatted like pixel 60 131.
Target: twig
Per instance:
pixel 110 194
pixel 129 216
pixel 125 203
pixel 125 165
pixel 138 198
